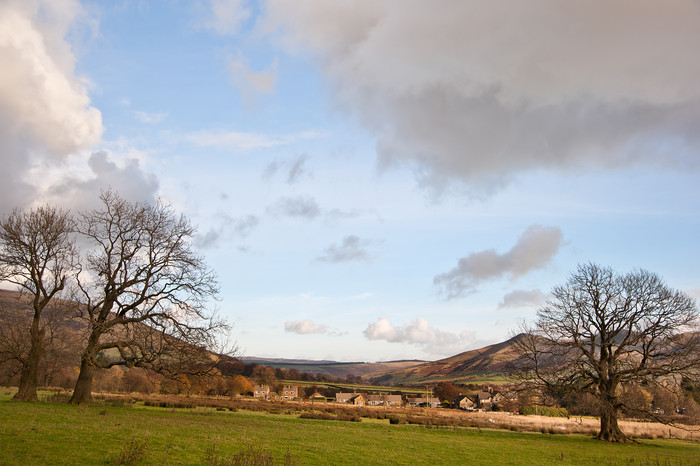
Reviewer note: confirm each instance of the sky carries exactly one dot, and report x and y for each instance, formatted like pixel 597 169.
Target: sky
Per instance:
pixel 371 180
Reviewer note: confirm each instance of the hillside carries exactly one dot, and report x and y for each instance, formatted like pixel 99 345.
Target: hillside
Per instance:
pixel 479 364
pixel 334 368
pixel 483 364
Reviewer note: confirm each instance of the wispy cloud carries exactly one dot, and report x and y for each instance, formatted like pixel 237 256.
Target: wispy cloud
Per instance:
pixel 226 17
pixel 295 169
pixel 226 228
pixel 150 118
pixel 251 83
pixel 247 140
pixel 296 207
pixel 534 249
pixel 351 249
pixel 308 327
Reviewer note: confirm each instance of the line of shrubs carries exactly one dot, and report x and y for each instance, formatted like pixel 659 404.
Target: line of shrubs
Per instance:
pixel 330 417
pixel 544 411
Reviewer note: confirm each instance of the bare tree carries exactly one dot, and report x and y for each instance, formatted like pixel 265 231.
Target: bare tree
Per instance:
pixel 143 291
pixel 37 253
pixel 601 331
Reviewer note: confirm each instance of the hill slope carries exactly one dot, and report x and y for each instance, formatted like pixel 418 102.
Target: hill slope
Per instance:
pixel 334 368
pixel 487 362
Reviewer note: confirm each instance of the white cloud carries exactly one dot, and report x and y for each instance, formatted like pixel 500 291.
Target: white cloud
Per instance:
pixel 479 91
pixel 45 110
pixel 534 249
pixel 522 298
pixel 419 332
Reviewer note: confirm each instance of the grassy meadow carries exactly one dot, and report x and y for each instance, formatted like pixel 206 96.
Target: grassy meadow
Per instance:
pixel 56 433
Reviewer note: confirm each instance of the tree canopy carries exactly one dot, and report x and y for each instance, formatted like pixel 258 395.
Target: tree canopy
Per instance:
pixel 144 292
pixel 602 331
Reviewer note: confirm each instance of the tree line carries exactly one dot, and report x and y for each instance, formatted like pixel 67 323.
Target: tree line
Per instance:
pixel 128 272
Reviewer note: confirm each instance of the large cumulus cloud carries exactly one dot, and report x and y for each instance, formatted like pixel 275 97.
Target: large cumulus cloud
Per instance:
pixel 419 332
pixel 45 110
pixel 479 91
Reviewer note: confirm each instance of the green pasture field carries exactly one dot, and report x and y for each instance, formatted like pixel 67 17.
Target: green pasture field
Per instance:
pixel 52 433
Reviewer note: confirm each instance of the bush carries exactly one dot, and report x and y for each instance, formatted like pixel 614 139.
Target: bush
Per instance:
pixel 329 417
pixel 132 453
pixel 544 411
pixel 249 456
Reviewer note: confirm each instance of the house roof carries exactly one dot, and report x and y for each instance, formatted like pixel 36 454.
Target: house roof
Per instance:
pixel 347 396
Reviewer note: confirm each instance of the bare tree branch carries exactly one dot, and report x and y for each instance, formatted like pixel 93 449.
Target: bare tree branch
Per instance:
pixel 602 332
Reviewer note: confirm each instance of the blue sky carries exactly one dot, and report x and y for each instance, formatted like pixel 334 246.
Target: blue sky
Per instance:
pixel 371 180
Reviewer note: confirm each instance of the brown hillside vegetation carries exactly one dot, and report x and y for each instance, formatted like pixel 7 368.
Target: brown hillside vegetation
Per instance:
pixel 461 367
pixel 334 368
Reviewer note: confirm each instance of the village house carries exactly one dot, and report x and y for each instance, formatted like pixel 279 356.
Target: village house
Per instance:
pixel 290 392
pixel 316 396
pixel 384 400
pixel 464 402
pixel 357 399
pixel 261 391
pixel 424 401
pixel 484 400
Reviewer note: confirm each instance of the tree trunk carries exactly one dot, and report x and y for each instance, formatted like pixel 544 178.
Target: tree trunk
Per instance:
pixel 29 376
pixel 82 393
pixel 609 430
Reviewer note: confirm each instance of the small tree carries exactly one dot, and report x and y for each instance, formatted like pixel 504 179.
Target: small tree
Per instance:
pixel 144 293
pixel 602 331
pixel 446 391
pixel 37 253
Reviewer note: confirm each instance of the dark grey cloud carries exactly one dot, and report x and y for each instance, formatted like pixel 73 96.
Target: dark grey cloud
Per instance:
pixel 294 169
pixel 129 180
pixel 226 229
pixel 351 249
pixel 479 91
pixel 534 249
pixel 296 207
pixel 522 298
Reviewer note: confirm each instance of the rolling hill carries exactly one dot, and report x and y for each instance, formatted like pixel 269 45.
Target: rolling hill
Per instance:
pixel 477 365
pixel 334 368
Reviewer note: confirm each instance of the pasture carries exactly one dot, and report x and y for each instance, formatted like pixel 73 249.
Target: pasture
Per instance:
pixel 56 433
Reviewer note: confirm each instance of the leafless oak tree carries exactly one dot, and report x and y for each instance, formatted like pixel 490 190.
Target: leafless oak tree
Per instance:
pixel 143 291
pixel 601 331
pixel 37 253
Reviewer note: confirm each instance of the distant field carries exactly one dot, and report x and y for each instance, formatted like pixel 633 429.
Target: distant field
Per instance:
pixel 45 433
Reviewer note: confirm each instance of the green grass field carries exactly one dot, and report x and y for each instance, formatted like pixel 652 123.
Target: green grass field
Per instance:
pixel 52 433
